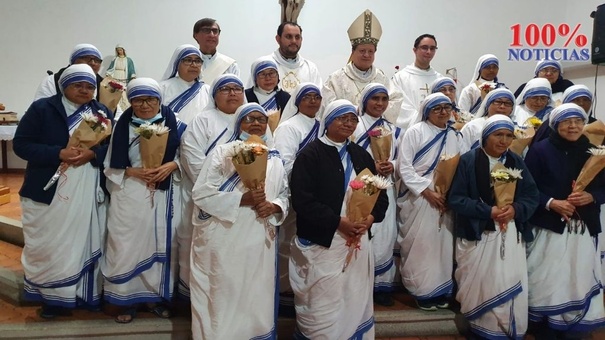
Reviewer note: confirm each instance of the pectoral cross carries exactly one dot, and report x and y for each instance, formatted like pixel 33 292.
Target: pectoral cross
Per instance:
pixel 425 88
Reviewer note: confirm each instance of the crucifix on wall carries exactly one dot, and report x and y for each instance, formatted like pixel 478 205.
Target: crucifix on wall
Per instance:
pixel 290 9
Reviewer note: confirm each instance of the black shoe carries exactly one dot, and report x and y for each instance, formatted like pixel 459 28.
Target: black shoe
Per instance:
pixel 443 303
pixel 49 312
pixel 384 299
pixel 427 305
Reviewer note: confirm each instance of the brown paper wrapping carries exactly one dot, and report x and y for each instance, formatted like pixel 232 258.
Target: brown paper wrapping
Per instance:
pixel 85 137
pixel 109 96
pixel 458 125
pixel 381 147
pixel 253 175
pixel 504 192
pixel 444 174
pixel 519 144
pixel 591 168
pixel 273 120
pixel 595 132
pixel 361 205
pixel 153 150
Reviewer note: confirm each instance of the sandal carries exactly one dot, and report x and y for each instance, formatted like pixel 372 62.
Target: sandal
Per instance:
pixel 160 310
pixel 126 315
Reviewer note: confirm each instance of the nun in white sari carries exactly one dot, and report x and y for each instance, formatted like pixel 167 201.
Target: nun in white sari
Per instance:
pixel 332 302
pixel 234 255
pixel 181 87
pixel 214 125
pixel 373 103
pixel 187 96
pixel 63 227
pixel 425 224
pixel 491 270
pixel 498 101
pixel 140 264
pixel 298 127
pixel 534 101
pixel 486 71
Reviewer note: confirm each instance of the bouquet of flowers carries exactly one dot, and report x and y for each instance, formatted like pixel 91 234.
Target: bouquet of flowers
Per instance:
pixel 381 140
pixel 444 173
pixel 505 184
pixel 362 198
pixel 250 161
pixel 460 119
pixel 523 136
pixel 486 87
pixel 591 168
pixel 152 144
pixel 274 116
pixel 92 130
pixel 110 93
pixel 595 132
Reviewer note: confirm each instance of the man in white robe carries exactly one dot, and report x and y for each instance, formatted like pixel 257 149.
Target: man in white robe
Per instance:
pixel 207 33
pixel 348 82
pixel 293 68
pixel 414 80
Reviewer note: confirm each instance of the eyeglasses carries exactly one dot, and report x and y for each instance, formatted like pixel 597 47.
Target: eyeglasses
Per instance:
pixel 506 103
pixel 140 101
pixel 251 119
pixel 226 90
pixel 572 121
pixel 446 89
pixel 85 87
pixel 345 119
pixel 89 60
pixel 538 99
pixel 427 48
pixel 546 70
pixel 208 30
pixel 189 62
pixel 502 136
pixel 311 97
pixel 447 108
pixel 267 75
pixel 582 100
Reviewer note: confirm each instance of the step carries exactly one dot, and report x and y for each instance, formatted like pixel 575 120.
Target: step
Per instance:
pixel 388 324
pixel 18 318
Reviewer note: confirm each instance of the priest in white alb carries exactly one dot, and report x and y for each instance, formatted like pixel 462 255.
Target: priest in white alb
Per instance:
pixel 414 80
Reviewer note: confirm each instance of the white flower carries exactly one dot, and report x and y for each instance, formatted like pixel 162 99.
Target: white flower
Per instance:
pixel 597 151
pixel 102 113
pixel 381 182
pixel 515 173
pixel 445 157
pixel 272 112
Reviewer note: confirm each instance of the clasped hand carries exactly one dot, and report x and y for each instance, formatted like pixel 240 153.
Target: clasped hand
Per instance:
pixel 503 215
pixel 155 175
pixel 435 199
pixel 258 200
pixel 76 156
pixel 353 229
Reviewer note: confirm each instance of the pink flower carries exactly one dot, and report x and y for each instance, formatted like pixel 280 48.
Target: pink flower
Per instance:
pixel 375 133
pixel 116 86
pixel 356 185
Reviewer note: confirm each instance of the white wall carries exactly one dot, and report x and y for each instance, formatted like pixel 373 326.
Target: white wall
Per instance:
pixel 39 35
